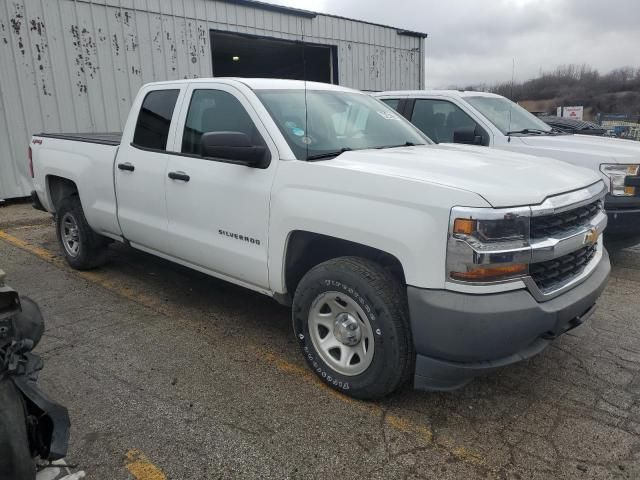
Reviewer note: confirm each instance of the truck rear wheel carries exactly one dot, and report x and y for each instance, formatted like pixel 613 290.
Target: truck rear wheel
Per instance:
pixel 82 247
pixel 351 319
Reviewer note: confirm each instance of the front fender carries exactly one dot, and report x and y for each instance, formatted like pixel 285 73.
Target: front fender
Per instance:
pixel 406 219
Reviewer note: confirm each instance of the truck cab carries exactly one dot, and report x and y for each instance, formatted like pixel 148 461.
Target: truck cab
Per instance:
pixel 490 120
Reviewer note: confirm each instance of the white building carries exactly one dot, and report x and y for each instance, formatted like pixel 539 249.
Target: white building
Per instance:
pixel 76 65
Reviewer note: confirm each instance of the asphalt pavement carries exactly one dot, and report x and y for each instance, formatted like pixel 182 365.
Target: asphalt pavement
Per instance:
pixel 170 374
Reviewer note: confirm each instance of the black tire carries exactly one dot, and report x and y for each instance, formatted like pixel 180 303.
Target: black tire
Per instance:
pixel 383 300
pixel 91 247
pixel 15 458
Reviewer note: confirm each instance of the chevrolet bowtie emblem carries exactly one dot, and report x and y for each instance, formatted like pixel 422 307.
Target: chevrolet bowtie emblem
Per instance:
pixel 591 237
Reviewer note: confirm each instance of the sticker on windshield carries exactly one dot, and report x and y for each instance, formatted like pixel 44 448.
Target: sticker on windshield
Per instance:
pixel 298 132
pixel 388 115
pixel 290 124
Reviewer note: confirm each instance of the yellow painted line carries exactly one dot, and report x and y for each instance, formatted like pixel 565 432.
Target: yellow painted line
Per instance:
pixel 423 432
pixel 27 227
pixel 40 252
pixel 141 468
pixel 91 276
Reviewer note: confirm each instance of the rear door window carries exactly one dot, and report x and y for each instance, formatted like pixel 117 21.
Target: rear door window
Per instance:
pixel 154 119
pixel 439 118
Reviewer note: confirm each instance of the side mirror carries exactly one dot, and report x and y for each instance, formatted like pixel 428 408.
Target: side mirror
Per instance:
pixel 467 135
pixel 234 146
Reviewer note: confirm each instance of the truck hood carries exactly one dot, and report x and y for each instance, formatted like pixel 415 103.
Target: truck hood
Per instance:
pixel 502 178
pixel 573 147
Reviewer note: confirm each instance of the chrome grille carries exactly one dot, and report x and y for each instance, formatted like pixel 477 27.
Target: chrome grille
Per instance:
pixel 547 226
pixel 554 273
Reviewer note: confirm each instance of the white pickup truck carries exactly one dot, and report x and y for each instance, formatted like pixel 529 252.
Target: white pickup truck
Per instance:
pixel 400 258
pixel 478 118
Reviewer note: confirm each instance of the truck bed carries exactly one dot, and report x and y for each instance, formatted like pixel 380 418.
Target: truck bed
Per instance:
pixel 106 138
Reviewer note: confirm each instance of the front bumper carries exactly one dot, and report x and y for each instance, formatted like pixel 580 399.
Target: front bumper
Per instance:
pixel 624 218
pixel 458 336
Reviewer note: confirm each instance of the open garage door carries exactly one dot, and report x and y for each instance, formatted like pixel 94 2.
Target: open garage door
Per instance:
pixel 237 55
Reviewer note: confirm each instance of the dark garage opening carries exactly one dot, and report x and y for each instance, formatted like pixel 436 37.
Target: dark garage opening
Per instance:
pixel 237 55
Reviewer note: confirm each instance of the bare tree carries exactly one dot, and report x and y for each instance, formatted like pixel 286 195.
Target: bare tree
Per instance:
pixel 617 91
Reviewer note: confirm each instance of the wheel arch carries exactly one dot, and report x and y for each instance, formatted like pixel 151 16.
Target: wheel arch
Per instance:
pixel 305 249
pixel 59 188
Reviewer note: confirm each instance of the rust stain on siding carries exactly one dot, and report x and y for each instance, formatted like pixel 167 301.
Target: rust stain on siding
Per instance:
pixel 16 24
pixel 123 16
pixel 173 54
pixel 86 56
pixel 116 45
pixel 38 28
pixel 131 41
pixel 16 21
pixel 33 31
pixel 374 65
pixel 36 25
pixel 203 34
pixel 101 36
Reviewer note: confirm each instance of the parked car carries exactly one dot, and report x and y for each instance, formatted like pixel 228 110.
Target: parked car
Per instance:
pixel 570 125
pixel 399 258
pixel 478 118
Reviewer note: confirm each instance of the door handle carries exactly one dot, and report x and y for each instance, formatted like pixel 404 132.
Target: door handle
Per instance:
pixel 126 166
pixel 179 176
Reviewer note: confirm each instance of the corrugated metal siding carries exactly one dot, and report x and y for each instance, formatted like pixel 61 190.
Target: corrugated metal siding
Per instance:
pixel 70 65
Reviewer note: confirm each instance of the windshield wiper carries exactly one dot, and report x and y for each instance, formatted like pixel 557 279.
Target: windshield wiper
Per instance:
pixel 320 156
pixel 538 131
pixel 405 144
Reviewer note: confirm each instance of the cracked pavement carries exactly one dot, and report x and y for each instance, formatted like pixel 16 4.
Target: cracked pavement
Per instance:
pixel 206 379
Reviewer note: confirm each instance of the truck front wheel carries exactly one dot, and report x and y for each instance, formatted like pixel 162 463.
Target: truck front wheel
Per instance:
pixel 350 317
pixel 82 247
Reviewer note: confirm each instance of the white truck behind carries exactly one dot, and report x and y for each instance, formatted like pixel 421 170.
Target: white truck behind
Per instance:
pixel 479 118
pixel 401 259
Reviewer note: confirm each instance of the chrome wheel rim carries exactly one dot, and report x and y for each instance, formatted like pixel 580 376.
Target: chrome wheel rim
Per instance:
pixel 70 235
pixel 341 333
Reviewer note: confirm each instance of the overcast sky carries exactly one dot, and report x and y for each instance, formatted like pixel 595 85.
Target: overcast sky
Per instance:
pixel 472 41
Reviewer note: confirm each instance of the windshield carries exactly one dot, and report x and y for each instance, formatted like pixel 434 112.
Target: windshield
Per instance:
pixel 507 115
pixel 336 121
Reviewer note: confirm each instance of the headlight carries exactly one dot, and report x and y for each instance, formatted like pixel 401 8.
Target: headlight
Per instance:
pixel 507 229
pixel 617 175
pixel 487 245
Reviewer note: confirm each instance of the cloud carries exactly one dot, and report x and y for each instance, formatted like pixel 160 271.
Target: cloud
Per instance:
pixel 474 42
